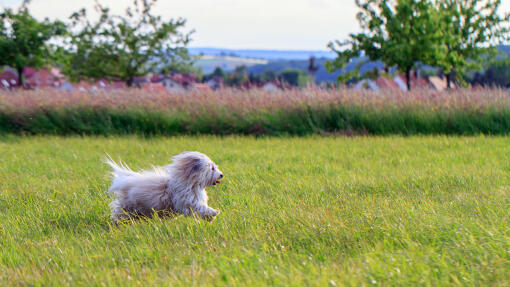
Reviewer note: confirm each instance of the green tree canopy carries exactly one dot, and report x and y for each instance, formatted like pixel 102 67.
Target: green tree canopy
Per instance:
pixel 470 30
pixel 399 33
pixel 217 73
pixel 124 47
pixel 455 35
pixel 295 77
pixel 238 77
pixel 496 75
pixel 24 41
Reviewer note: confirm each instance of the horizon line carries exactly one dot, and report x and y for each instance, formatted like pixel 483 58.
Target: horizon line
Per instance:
pixel 260 49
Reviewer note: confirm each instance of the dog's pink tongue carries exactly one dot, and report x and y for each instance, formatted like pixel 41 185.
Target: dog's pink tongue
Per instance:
pixel 218 182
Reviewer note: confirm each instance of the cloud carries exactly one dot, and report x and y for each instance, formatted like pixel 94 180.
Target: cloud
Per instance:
pixel 273 24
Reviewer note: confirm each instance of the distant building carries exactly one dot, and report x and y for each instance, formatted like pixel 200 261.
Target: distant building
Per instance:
pixel 215 83
pixel 102 83
pixel 185 80
pixel 66 87
pixel 270 87
pixel 417 83
pixel 275 85
pixel 156 78
pixel 8 79
pixel 118 85
pixel 399 82
pixel 42 78
pixel 174 83
pixel 173 86
pixel 386 83
pixel 440 84
pixel 201 87
pixel 140 80
pixel 154 87
pixel 367 84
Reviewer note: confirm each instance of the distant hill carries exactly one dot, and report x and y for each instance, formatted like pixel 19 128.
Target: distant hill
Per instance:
pixel 322 75
pixel 227 63
pixel 270 55
pixel 277 61
pixel 259 61
pixel 278 66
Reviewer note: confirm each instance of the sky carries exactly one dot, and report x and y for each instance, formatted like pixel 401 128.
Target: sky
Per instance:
pixel 239 24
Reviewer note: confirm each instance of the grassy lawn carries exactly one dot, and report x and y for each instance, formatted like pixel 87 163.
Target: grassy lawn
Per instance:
pixel 295 211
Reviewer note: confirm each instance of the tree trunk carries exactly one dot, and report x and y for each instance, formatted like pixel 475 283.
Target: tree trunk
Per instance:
pixel 408 79
pixel 20 76
pixel 130 82
pixel 449 80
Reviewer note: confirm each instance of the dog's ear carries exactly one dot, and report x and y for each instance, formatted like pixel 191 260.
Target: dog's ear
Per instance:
pixel 196 165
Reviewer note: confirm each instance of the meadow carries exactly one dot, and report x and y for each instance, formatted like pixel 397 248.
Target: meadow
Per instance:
pixel 318 211
pixel 255 112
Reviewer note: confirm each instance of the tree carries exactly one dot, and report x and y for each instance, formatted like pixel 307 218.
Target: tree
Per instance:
pixel 24 41
pixel 295 77
pixel 238 77
pixel 454 35
pixel 268 75
pixel 470 31
pixel 399 33
pixel 496 75
pixel 312 68
pixel 124 47
pixel 217 73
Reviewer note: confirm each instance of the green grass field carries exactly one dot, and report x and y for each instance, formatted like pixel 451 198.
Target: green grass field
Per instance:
pixel 430 211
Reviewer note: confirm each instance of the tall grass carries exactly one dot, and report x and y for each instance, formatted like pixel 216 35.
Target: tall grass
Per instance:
pixel 293 112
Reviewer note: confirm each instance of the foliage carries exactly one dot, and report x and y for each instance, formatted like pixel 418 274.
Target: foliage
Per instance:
pixel 430 72
pixel 24 41
pixel 277 66
pixel 496 75
pixel 217 73
pixel 315 211
pixel 238 77
pixel 470 32
pixel 266 76
pixel 399 35
pixel 124 47
pixel 230 111
pixel 295 77
pixel 454 35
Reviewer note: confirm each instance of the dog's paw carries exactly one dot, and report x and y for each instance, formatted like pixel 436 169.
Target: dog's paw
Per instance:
pixel 209 218
pixel 211 215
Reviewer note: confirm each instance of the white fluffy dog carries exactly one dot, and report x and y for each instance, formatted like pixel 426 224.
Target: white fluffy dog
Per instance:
pixel 178 188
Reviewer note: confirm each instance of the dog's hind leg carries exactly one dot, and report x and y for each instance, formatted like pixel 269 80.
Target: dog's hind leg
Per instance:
pixel 117 213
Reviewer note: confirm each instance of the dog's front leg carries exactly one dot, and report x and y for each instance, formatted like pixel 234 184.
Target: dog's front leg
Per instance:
pixel 206 212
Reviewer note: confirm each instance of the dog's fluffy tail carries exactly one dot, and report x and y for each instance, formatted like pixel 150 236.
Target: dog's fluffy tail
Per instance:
pixel 120 173
pixel 125 179
pixel 119 170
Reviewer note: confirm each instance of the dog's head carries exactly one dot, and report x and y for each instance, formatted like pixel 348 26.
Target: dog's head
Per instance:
pixel 196 168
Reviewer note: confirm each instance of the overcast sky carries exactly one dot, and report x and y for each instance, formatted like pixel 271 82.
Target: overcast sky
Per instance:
pixel 252 24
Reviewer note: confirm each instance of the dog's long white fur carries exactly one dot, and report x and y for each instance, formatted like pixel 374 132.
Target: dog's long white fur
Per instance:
pixel 178 187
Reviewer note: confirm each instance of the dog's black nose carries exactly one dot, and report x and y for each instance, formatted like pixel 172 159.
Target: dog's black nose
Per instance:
pixel 221 175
